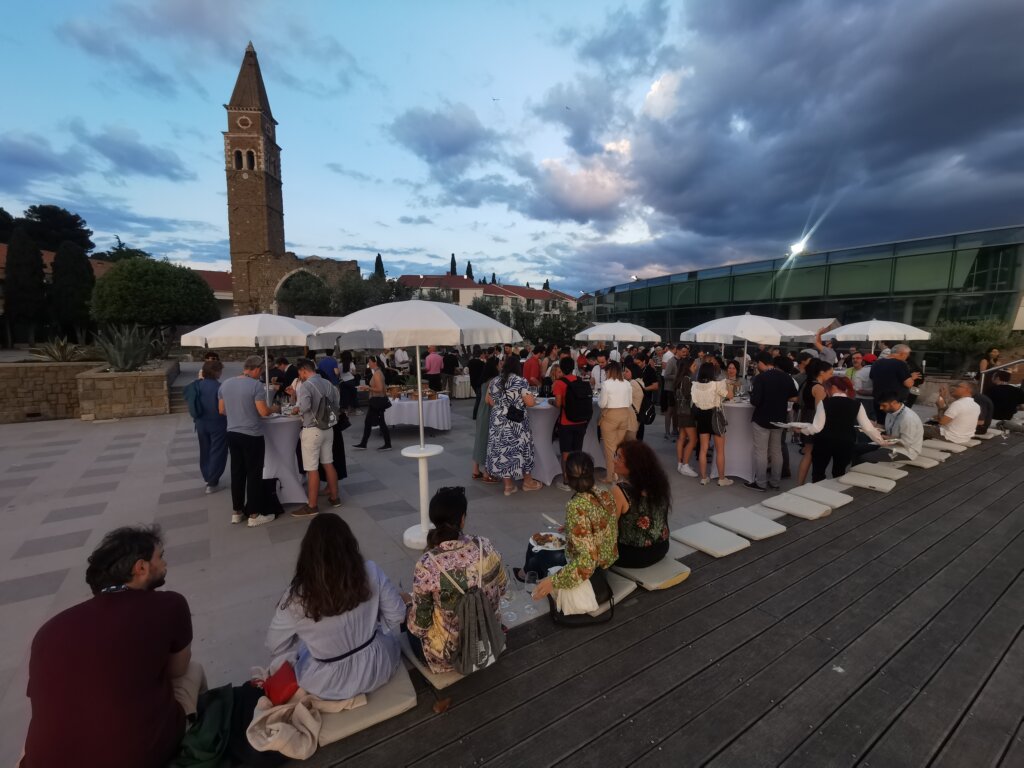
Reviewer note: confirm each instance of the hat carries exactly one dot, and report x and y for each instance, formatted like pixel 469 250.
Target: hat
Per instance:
pixel 869 358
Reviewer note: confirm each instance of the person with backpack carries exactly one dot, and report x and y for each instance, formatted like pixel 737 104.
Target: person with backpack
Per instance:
pixel 575 399
pixel 211 427
pixel 319 405
pixel 453 620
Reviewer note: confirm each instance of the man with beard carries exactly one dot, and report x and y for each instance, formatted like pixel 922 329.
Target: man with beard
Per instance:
pixel 125 654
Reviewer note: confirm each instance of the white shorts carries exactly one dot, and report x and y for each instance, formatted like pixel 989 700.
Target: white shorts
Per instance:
pixel 317 447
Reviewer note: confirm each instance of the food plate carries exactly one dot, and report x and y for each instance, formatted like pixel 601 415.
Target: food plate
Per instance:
pixel 549 540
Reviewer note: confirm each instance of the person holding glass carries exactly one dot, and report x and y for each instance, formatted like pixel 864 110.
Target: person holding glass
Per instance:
pixel 707 395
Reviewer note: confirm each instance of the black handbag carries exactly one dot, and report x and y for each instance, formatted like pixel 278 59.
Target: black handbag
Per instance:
pixel 515 413
pixel 648 413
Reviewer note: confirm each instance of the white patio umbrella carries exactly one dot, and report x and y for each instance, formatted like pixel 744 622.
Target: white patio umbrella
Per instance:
pixel 877 330
pixel 261 330
pixel 616 332
pixel 414 324
pixel 745 328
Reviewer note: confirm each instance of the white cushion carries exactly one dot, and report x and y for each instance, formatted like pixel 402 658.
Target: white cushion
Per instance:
pixel 663 574
pixel 749 524
pixel 677 550
pixel 797 506
pixel 931 453
pixel 880 470
pixel 973 443
pixel 921 461
pixel 944 445
pixel 390 700
pixel 988 435
pixel 439 681
pixel 826 496
pixel 621 589
pixel 856 479
pixel 763 511
pixel 711 539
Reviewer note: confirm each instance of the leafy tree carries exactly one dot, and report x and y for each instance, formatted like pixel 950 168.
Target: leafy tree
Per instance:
pixel 504 316
pixel 71 289
pixel 469 269
pixel 51 225
pixel 562 327
pixel 351 294
pixel 483 306
pixel 304 294
pixel 24 285
pixel 454 269
pixel 378 268
pixel 120 252
pixel 969 341
pixel 494 280
pixel 522 321
pixel 154 294
pixel 382 291
pixel 6 226
pixel 435 294
pixel 547 285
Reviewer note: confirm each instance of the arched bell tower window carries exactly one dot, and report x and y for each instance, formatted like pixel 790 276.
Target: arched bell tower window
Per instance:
pixel 250 160
pixel 238 159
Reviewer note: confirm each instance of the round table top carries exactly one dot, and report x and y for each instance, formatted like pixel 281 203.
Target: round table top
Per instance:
pixel 425 452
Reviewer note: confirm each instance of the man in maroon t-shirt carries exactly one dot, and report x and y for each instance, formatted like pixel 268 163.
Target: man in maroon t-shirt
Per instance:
pixel 111 680
pixel 531 368
pixel 570 433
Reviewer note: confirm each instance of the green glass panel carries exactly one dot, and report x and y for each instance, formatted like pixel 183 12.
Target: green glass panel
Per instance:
pixel 714 291
pixel 660 296
pixel 638 299
pixel 927 272
pixel 756 287
pixel 684 293
pixel 859 278
pixel 794 283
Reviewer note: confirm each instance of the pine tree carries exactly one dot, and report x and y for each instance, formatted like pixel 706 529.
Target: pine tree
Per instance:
pixel 469 269
pixel 547 285
pixel 24 285
pixel 71 289
pixel 494 280
pixel 454 269
pixel 378 268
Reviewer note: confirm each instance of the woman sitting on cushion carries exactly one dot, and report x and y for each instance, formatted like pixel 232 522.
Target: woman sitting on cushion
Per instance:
pixel 338 621
pixel 642 500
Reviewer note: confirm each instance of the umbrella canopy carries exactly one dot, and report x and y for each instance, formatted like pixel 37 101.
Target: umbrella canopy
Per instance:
pixel 617 332
pixel 748 327
pixel 877 330
pixel 250 331
pixel 413 323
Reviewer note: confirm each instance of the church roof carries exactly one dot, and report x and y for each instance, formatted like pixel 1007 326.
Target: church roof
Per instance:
pixel 250 93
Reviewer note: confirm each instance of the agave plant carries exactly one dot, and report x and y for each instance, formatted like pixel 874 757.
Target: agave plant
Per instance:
pixel 58 350
pixel 125 348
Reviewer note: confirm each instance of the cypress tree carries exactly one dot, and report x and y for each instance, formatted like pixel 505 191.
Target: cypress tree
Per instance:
pixel 454 269
pixel 24 284
pixel 71 289
pixel 378 268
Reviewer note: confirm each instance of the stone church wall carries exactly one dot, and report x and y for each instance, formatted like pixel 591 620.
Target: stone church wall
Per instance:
pixel 258 278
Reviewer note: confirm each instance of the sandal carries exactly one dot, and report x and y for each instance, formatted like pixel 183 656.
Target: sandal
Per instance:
pixel 478 475
pixel 491 479
pixel 510 491
pixel 537 485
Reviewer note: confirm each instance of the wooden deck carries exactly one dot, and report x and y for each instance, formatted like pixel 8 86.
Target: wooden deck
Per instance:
pixel 887 634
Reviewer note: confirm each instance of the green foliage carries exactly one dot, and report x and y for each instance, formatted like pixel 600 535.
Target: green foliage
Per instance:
pixel 547 285
pixel 153 293
pixel 51 225
pixel 378 268
pixel 483 306
pixel 469 269
pixel 494 280
pixel 120 252
pixel 454 270
pixel 968 341
pixel 304 294
pixel 126 347
pixel 562 327
pixel 24 285
pixel 71 288
pixel 435 294
pixel 522 321
pixel 504 317
pixel 6 226
pixel 58 350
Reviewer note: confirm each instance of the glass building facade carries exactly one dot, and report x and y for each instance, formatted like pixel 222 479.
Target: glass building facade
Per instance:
pixel 969 276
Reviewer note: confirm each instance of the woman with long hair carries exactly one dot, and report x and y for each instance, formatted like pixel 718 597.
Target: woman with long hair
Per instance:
pixel 510 443
pixel 707 394
pixel 686 426
pixel 835 428
pixel 811 393
pixel 616 403
pixel 482 425
pixel 471 561
pixel 643 499
pixel 338 620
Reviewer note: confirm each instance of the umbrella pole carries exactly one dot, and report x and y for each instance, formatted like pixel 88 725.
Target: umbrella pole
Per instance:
pixel 746 362
pixel 266 374
pixel 419 393
pixel 415 537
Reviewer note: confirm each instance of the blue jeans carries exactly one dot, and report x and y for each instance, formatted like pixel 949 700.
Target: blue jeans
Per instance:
pixel 213 449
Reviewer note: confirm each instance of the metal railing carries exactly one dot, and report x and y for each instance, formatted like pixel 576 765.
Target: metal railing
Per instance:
pixel 983 374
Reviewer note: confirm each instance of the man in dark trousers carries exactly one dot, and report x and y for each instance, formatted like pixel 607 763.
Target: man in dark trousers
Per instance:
pixel 476 375
pixel 651 383
pixel 770 395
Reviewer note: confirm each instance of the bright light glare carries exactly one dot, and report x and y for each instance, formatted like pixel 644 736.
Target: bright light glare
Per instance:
pixel 798 247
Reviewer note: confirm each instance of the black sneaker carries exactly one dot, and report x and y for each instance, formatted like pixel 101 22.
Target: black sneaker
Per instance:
pixel 773 486
pixel 384 448
pixel 754 486
pixel 359 447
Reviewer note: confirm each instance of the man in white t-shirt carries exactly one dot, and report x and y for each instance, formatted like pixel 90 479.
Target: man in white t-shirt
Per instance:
pixel 957 419
pixel 402 361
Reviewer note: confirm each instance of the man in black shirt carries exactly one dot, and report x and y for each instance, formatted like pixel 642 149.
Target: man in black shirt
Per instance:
pixel 770 395
pixel 476 375
pixel 985 415
pixel 1006 399
pixel 892 374
pixel 650 381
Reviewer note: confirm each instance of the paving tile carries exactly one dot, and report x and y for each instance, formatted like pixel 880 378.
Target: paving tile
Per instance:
pixel 129 436
pixel 184 519
pixel 124 446
pixel 188 552
pixel 30 467
pixel 73 513
pixel 17 481
pixel 30 587
pixel 56 443
pixel 286 528
pixel 115 457
pixel 104 471
pixel 48 544
pixel 367 486
pixel 88 490
pixel 46 454
pixel 392 509
pixel 172 497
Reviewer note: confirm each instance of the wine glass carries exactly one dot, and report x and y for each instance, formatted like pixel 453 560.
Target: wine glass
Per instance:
pixel 528 587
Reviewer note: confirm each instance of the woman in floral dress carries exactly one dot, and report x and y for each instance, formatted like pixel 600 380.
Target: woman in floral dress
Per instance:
pixel 591 530
pixel 432 621
pixel 642 501
pixel 510 442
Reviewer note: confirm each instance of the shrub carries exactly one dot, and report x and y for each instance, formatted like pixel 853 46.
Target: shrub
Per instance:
pixel 58 350
pixel 125 348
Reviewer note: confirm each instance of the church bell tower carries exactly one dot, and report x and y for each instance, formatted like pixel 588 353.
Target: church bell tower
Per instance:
pixel 252 162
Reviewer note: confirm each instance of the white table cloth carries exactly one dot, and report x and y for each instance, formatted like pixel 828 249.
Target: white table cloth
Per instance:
pixel 547 458
pixel 739 442
pixel 463 390
pixel 437 414
pixel 281 435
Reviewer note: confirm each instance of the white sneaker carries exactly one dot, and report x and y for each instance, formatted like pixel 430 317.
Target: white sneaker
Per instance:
pixel 686 470
pixel 564 487
pixel 259 520
pixel 236 518
pixel 724 481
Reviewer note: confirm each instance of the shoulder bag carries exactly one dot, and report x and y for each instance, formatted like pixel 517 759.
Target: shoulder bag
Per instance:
pixel 514 413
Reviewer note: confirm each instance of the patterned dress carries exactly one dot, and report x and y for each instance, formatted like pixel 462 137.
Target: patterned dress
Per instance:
pixel 510 443
pixel 432 617
pixel 592 534
pixel 643 524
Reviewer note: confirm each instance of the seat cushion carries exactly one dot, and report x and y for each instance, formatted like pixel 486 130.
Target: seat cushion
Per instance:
pixel 439 681
pixel 390 700
pixel 748 524
pixel 663 574
pixel 887 471
pixel 988 435
pixel 797 506
pixel 621 589
pixel 857 480
pixel 830 498
pixel 711 539
pixel 931 453
pixel 922 462
pixel 944 445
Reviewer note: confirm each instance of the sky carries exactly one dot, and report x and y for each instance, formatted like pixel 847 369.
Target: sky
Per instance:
pixel 580 142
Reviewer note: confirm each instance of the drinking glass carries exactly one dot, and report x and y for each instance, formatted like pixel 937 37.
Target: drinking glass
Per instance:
pixel 528 587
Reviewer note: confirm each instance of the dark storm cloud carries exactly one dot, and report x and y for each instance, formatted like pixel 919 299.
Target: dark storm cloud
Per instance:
pixel 129 156
pixel 108 44
pixel 629 42
pixel 450 139
pixel 27 157
pixel 585 108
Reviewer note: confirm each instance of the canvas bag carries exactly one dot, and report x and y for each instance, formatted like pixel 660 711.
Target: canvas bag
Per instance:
pixel 325 414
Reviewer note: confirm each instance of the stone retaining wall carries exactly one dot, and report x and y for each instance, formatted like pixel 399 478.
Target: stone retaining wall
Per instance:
pixel 105 395
pixel 39 391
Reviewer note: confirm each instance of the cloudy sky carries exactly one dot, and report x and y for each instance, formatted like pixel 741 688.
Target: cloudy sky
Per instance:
pixel 577 141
